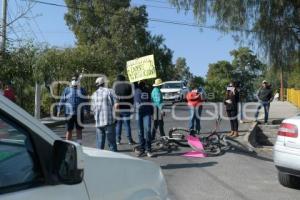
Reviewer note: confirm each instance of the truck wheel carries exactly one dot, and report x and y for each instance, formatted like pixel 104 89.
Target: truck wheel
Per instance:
pixel 288 180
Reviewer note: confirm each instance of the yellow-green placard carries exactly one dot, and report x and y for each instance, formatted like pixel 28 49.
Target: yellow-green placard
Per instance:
pixel 141 68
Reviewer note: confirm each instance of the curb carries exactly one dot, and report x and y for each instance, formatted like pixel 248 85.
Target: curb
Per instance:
pixel 250 137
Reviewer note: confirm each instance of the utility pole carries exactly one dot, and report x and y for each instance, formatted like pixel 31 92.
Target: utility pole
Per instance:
pixel 281 84
pixel 3 24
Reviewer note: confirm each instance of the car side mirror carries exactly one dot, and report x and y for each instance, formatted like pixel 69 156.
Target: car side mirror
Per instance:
pixel 68 163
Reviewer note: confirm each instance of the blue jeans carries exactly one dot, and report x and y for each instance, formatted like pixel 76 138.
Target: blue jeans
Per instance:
pixel 144 131
pixel 195 114
pixel 266 106
pixel 102 133
pixel 124 117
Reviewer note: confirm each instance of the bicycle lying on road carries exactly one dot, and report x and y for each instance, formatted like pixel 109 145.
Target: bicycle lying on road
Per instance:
pixel 214 143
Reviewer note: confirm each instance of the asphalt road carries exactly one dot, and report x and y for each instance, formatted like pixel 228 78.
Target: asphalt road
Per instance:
pixel 233 176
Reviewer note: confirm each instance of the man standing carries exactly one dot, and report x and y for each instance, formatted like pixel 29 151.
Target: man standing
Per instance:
pixel 71 101
pixel 124 95
pixel 102 106
pixel 195 100
pixel 144 108
pixel 157 99
pixel 265 96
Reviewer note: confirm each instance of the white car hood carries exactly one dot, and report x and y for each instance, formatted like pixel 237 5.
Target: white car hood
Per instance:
pixel 169 90
pixel 116 176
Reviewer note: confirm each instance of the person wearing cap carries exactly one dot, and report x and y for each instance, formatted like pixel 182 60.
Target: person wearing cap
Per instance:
pixel 157 99
pixel 102 106
pixel 144 110
pixel 264 96
pixel 195 99
pixel 124 96
pixel 72 100
pixel 231 102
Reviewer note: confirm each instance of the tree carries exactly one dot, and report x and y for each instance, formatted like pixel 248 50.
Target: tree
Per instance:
pixel 181 70
pixel 119 32
pixel 197 81
pixel 247 69
pixel 274 24
pixel 218 77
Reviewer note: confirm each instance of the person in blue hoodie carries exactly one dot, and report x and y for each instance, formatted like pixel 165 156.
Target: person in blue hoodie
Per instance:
pixel 144 110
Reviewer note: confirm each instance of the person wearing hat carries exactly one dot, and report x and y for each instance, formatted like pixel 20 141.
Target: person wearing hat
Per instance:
pixel 157 100
pixel 102 106
pixel 71 101
pixel 264 96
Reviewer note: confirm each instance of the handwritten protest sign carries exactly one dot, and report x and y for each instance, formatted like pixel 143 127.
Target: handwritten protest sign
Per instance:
pixel 141 68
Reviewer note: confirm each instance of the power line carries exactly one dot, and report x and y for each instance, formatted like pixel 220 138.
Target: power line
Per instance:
pixel 165 21
pixel 12 29
pixel 38 27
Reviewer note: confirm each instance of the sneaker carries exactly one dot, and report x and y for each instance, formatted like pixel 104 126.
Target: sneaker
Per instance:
pixel 149 154
pixel 118 142
pixel 140 153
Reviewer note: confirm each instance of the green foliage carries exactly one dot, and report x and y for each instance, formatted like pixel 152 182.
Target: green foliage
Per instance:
pixel 218 77
pixel 108 34
pixel 245 68
pixel 275 24
pixel 18 69
pixel 181 70
pixel 196 82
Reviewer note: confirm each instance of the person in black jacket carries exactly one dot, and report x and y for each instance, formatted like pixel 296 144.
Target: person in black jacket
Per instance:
pixel 124 97
pixel 231 105
pixel 144 110
pixel 265 96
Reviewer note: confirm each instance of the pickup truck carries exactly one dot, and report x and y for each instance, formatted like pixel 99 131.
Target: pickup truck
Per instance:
pixel 36 164
pixel 174 91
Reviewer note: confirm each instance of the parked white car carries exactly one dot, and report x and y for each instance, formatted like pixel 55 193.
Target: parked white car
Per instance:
pixel 287 152
pixel 174 91
pixel 36 164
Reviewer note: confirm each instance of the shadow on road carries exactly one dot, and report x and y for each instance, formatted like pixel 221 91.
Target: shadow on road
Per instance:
pixel 188 165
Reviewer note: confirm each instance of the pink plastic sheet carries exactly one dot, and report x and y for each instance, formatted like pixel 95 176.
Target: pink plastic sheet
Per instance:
pixel 195 143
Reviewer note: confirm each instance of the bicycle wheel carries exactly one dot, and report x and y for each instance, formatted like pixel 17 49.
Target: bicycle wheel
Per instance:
pixel 212 150
pixel 179 136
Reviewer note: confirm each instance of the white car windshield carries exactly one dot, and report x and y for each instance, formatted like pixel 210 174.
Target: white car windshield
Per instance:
pixel 172 85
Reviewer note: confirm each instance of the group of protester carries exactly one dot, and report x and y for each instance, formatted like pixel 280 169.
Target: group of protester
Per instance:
pixel 113 108
pixel 232 99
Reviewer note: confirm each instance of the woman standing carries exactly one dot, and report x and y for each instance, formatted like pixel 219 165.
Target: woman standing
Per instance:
pixel 231 105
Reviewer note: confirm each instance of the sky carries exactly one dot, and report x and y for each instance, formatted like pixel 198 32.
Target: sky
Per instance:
pixel 45 24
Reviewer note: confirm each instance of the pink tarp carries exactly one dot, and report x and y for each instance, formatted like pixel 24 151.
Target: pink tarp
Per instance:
pixel 195 143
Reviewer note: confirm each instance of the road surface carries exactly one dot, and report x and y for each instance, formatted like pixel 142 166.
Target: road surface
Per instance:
pixel 233 176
